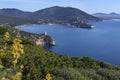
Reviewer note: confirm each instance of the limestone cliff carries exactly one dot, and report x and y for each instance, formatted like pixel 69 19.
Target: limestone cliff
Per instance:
pixel 45 39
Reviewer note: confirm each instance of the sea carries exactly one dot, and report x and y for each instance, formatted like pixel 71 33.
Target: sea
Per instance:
pixel 100 43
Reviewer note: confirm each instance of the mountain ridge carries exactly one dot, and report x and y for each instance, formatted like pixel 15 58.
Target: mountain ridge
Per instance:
pixel 111 15
pixel 63 13
pixel 57 15
pixel 55 12
pixel 12 12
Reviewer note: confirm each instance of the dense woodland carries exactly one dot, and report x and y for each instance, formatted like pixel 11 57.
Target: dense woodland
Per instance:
pixel 22 59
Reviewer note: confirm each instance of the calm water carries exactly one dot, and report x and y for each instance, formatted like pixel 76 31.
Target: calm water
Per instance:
pixel 101 43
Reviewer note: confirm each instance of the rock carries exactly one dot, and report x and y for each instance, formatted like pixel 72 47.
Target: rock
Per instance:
pixel 40 39
pixel 45 39
pixel 53 43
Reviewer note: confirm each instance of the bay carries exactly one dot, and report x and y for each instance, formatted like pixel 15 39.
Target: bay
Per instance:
pixel 101 43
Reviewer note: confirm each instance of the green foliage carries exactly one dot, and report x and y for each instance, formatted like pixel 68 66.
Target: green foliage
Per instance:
pixel 71 74
pixel 37 62
pixel 109 74
pixel 13 21
pixel 6 36
pixel 17 50
pixel 3 30
pixel 91 74
pixel 17 76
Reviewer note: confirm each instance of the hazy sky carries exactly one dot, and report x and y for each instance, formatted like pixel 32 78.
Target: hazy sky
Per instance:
pixel 90 6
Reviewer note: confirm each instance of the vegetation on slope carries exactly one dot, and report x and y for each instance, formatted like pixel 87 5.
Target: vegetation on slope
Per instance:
pixel 68 14
pixel 39 64
pixel 57 15
pixel 13 21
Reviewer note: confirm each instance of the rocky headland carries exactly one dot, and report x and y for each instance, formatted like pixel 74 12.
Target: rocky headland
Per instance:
pixel 40 39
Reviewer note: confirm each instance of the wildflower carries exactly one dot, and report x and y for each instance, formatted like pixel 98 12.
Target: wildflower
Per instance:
pixel 6 36
pixel 48 77
pixel 22 66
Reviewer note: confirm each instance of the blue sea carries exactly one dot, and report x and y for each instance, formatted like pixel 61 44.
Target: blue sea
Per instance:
pixel 101 43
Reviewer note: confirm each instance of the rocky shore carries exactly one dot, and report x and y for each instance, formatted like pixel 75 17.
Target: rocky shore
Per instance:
pixel 40 39
pixel 45 39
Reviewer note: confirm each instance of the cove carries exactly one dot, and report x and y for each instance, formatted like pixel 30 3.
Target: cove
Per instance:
pixel 101 43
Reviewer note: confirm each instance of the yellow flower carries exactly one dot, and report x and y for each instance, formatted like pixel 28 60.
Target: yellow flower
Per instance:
pixel 17 76
pixel 1 66
pixel 17 49
pixel 6 36
pixel 15 61
pixel 22 66
pixel 48 77
pixel 19 73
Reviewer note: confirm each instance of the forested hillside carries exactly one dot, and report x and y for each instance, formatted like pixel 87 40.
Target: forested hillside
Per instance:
pixel 21 59
pixel 13 21
pixel 56 14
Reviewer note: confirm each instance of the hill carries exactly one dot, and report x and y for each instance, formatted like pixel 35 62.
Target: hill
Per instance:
pixel 13 21
pixel 12 12
pixel 107 16
pixel 63 14
pixel 56 14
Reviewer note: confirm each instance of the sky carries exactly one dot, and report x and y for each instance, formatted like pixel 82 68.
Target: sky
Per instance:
pixel 89 6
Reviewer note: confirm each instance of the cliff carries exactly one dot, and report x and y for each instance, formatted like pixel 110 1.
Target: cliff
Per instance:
pixel 40 39
pixel 45 39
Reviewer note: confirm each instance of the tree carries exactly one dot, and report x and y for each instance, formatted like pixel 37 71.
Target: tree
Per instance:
pixel 17 50
pixel 3 48
pixel 6 36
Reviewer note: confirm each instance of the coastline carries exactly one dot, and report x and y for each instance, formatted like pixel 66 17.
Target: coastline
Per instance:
pixel 77 26
pixel 24 25
pixel 40 39
pixel 19 26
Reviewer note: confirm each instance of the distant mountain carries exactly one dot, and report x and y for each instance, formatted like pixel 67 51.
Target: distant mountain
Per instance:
pixel 99 14
pixel 63 13
pixel 13 21
pixel 56 14
pixel 112 15
pixel 11 12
